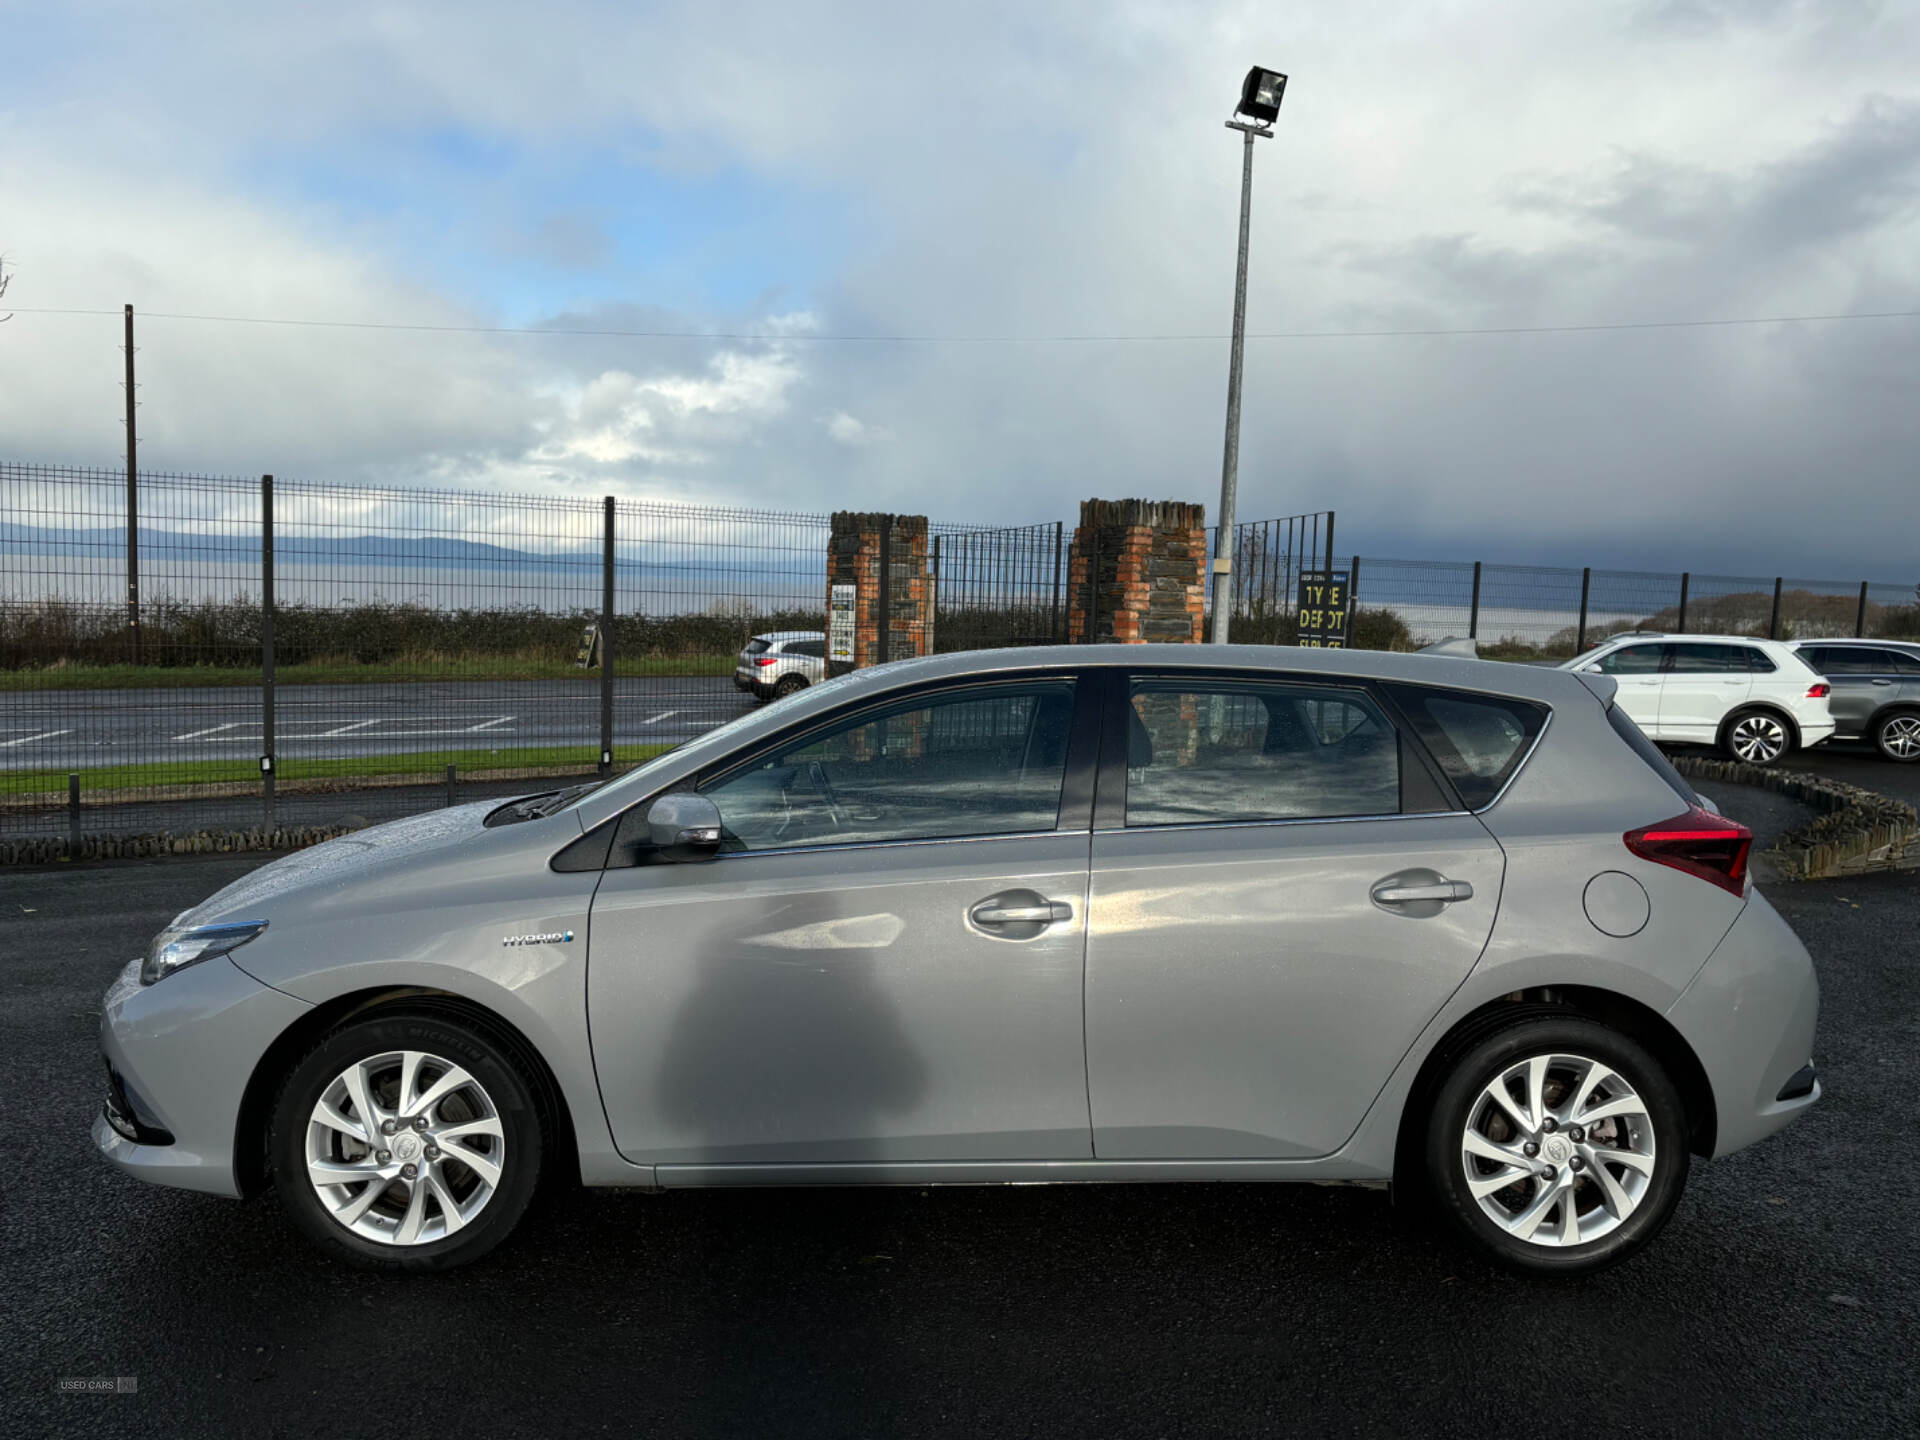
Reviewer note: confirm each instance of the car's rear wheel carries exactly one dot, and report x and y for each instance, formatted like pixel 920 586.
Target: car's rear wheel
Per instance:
pixel 1758 737
pixel 1557 1146
pixel 407 1140
pixel 1898 736
pixel 788 685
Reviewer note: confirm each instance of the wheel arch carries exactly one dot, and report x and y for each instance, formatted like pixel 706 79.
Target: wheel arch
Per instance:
pixel 1773 708
pixel 250 1161
pixel 1643 1023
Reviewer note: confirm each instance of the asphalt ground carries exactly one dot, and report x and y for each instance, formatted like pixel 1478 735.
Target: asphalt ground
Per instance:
pixel 1783 1299
pixel 45 729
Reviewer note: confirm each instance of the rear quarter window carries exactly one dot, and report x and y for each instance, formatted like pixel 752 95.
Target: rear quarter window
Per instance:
pixel 1480 741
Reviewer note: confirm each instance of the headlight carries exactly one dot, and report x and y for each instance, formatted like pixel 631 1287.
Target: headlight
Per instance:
pixel 176 949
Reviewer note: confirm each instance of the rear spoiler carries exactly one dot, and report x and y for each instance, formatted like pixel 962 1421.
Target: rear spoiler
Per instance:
pixel 1604 687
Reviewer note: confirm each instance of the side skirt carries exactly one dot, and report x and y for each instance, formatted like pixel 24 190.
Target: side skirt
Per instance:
pixel 1328 1169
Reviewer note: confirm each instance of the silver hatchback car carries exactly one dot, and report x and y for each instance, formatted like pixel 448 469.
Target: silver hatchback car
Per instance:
pixel 1095 913
pixel 781 663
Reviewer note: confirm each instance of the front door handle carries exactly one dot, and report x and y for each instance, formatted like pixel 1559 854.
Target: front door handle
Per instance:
pixel 992 912
pixel 1444 891
pixel 1883 682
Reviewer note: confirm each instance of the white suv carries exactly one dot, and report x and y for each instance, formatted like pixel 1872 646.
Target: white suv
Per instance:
pixel 1755 699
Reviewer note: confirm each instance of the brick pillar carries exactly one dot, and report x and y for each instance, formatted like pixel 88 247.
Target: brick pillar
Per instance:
pixel 854 549
pixel 1138 572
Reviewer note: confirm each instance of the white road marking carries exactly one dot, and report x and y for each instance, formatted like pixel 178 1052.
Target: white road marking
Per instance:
pixel 661 716
pixel 347 728
pixel 215 730
pixel 43 735
pixel 488 725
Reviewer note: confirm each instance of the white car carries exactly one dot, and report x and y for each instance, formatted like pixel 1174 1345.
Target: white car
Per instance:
pixel 1755 699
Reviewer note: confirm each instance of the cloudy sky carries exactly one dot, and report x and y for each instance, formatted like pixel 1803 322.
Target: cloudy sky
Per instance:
pixel 988 178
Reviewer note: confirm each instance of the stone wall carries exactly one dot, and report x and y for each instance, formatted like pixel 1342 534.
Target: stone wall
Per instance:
pixel 854 551
pixel 1138 572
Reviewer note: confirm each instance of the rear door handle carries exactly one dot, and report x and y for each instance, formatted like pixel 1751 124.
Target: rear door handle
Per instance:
pixel 1883 682
pixel 991 912
pixel 1445 891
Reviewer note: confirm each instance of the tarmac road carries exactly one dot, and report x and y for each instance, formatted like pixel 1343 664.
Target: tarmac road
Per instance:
pixel 47 729
pixel 1783 1299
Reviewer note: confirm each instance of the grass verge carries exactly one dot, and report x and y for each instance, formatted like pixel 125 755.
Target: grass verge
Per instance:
pixel 167 677
pixel 426 765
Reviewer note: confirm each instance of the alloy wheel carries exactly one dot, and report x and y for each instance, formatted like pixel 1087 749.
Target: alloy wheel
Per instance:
pixel 405 1148
pixel 1758 739
pixel 1558 1150
pixel 1900 737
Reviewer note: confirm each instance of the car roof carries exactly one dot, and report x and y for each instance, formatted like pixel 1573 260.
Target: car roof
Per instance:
pixel 1493 676
pixel 1857 640
pixel 1689 638
pixel 792 635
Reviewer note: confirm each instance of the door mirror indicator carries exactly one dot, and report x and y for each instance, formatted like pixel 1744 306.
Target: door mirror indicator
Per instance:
pixel 684 827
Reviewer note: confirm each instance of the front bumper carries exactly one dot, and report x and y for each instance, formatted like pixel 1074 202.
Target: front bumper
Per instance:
pixel 1749 1016
pixel 183 1052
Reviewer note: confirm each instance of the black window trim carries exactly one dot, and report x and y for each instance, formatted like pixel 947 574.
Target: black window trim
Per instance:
pixel 1110 802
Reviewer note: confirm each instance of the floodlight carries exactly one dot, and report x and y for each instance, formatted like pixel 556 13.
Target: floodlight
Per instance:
pixel 1260 95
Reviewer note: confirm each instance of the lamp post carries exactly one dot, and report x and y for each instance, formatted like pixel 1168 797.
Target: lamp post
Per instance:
pixel 1259 103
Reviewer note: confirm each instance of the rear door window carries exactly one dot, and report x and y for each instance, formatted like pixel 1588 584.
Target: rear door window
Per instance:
pixel 1710 659
pixel 1479 740
pixel 1204 751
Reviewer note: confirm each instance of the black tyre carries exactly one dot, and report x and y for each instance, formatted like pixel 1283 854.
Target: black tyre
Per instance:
pixel 1578 1166
pixel 1757 736
pixel 789 685
pixel 409 1139
pixel 1898 736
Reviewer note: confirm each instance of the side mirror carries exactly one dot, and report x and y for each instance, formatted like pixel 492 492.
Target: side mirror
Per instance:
pixel 1593 669
pixel 684 827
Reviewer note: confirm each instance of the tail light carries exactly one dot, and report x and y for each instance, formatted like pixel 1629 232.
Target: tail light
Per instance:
pixel 764 660
pixel 1819 690
pixel 1700 843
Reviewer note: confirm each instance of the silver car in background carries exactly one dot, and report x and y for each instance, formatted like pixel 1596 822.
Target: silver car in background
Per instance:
pixel 1129 913
pixel 1876 691
pixel 776 665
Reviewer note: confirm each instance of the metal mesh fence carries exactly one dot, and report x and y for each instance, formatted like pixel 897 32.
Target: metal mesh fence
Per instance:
pixel 395 650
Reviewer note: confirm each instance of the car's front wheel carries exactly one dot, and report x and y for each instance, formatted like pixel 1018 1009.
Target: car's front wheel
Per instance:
pixel 1898 736
pixel 408 1139
pixel 1759 737
pixel 1557 1146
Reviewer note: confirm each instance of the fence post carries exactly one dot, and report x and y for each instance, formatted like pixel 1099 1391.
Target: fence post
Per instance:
pixel 606 644
pixel 1330 551
pixel 1686 578
pixel 1054 632
pixel 883 631
pixel 1473 614
pixel 268 605
pixel 1773 621
pixel 1353 602
pixel 133 513
pixel 1586 588
pixel 1860 615
pixel 449 787
pixel 73 817
pixel 933 595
